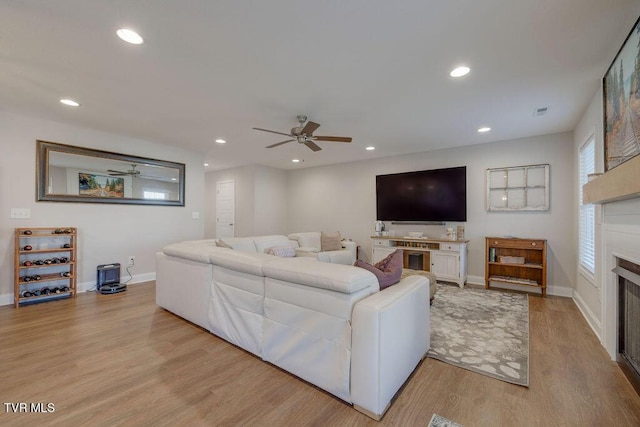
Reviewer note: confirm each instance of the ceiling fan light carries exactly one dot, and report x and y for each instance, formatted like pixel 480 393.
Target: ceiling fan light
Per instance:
pixel 129 36
pixel 460 71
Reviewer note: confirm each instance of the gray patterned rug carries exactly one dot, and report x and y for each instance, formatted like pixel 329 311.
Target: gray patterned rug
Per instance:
pixel 483 331
pixel 440 421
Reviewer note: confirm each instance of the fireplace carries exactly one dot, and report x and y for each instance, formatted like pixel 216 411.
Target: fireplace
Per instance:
pixel 628 355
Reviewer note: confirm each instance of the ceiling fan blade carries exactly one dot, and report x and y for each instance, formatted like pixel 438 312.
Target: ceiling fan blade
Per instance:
pixel 279 143
pixel 333 138
pixel 272 131
pixel 312 145
pixel 309 128
pixel 117 173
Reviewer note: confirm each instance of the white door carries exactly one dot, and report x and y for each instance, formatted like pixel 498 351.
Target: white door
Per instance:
pixel 225 202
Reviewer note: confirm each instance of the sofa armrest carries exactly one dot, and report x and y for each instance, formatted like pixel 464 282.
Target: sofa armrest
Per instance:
pixel 352 247
pixel 390 336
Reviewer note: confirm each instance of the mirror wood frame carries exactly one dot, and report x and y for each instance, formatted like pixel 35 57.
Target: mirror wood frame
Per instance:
pixel 44 148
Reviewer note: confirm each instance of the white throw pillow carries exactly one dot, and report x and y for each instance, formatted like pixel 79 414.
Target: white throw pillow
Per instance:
pixel 282 251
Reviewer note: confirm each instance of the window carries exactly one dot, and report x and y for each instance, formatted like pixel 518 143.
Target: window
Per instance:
pixel 586 221
pixel 156 195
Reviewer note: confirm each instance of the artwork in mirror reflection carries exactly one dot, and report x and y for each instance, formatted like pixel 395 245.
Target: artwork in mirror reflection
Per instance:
pixel 77 174
pixel 100 186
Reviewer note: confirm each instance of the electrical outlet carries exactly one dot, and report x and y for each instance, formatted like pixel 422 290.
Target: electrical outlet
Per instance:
pixel 132 260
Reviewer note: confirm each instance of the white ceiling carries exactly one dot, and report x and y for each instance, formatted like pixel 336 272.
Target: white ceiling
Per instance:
pixel 375 70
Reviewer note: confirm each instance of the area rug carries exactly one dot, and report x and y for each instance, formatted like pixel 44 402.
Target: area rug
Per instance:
pixel 440 421
pixel 483 331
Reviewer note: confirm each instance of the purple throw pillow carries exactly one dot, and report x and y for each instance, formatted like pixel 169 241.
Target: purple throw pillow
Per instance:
pixel 391 271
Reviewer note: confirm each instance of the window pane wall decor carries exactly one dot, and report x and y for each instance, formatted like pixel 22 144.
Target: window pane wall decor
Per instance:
pixel 520 188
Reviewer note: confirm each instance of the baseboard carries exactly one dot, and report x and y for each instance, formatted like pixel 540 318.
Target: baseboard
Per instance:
pixel 7 299
pixel 560 291
pixel 591 319
pixel 475 280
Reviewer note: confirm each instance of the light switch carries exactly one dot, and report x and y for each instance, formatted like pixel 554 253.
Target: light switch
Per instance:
pixel 195 215
pixel 20 213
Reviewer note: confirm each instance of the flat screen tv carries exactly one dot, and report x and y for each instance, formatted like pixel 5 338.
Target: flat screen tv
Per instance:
pixel 436 195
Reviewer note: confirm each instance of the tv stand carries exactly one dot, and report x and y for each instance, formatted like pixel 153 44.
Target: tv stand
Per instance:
pixel 447 259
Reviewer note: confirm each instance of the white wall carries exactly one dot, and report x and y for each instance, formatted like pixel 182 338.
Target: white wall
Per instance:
pixel 342 197
pixel 107 232
pixel 260 200
pixel 588 293
pixel 588 290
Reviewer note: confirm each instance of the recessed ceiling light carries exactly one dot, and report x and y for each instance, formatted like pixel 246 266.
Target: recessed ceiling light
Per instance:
pixel 460 71
pixel 206 164
pixel 297 160
pixel 129 36
pixel 370 148
pixel 70 102
pixel 484 129
pixel 221 141
pixel 174 179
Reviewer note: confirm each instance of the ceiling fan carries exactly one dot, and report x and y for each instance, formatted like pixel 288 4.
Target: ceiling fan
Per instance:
pixel 303 134
pixel 132 171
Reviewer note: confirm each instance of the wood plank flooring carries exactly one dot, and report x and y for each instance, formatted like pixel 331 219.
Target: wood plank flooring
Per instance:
pixel 106 360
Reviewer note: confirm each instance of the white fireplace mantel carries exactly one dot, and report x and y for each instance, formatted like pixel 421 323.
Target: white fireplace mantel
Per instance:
pixel 619 241
pixel 620 183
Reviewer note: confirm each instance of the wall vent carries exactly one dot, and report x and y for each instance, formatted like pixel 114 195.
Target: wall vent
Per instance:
pixel 540 111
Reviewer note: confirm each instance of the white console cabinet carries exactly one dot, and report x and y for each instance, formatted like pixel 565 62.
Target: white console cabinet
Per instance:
pixel 446 259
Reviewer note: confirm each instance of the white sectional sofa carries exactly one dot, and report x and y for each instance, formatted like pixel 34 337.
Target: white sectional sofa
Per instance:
pixel 326 323
pixel 309 244
pixel 306 244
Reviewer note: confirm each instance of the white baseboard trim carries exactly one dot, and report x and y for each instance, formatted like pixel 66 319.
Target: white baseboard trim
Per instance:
pixel 7 299
pixel 560 291
pixel 591 319
pixel 475 280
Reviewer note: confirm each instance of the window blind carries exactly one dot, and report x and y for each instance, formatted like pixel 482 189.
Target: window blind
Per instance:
pixel 586 235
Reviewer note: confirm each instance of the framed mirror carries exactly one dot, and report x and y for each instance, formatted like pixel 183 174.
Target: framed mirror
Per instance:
pixel 66 173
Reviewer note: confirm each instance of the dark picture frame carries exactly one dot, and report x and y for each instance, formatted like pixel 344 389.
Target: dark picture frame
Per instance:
pixel 621 101
pixel 65 164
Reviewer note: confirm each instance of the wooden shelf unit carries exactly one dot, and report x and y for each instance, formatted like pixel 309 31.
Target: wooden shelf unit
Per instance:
pixel 47 245
pixel 531 272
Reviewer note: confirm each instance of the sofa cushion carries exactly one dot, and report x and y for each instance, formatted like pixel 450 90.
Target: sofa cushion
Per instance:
pixel 245 262
pixel 264 243
pixel 194 250
pixel 307 239
pixel 239 243
pixel 390 272
pixel 330 241
pixel 336 277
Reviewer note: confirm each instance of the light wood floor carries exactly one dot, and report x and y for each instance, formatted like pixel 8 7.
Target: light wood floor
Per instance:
pixel 121 360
